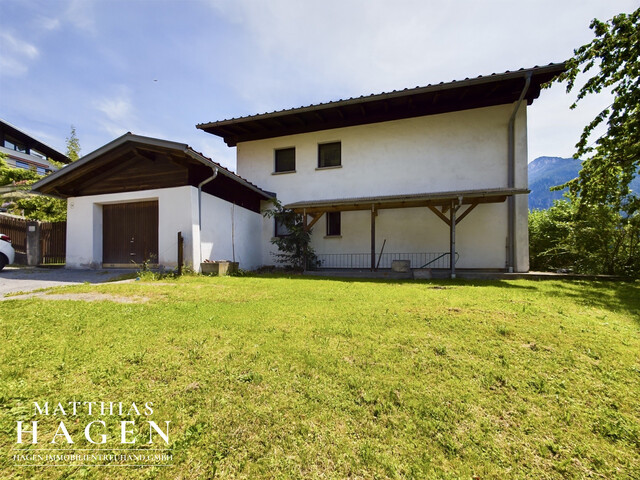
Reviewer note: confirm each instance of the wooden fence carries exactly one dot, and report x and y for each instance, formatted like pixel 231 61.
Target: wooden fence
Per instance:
pixel 53 239
pixel 16 228
pixel 53 242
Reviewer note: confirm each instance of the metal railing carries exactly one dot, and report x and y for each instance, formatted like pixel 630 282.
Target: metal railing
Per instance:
pixel 363 260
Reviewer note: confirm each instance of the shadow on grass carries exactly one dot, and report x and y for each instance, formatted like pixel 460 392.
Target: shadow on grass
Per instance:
pixel 610 295
pixel 614 296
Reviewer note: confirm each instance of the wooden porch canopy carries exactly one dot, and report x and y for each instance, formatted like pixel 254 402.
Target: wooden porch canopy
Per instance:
pixel 440 203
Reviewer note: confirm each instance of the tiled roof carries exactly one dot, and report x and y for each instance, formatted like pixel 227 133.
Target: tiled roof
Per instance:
pixel 483 90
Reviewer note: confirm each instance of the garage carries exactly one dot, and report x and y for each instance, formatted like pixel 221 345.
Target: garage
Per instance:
pixel 141 200
pixel 130 234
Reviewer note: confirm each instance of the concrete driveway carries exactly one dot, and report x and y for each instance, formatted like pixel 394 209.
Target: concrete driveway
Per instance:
pixel 26 279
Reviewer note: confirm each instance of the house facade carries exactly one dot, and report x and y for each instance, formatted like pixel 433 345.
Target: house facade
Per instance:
pixel 25 151
pixel 384 177
pixel 435 176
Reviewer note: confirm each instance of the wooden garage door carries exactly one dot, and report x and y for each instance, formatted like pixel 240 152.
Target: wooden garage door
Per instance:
pixel 129 234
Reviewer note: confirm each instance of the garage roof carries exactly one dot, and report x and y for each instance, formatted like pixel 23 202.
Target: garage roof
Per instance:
pixel 133 162
pixel 483 91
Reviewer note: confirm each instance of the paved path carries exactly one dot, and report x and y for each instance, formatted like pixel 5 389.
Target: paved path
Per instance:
pixel 14 279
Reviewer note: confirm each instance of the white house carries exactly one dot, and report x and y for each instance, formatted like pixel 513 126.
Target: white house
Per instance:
pixel 427 174
pixel 403 170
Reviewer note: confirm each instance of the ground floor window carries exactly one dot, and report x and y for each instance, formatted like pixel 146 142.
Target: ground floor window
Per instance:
pixel 281 230
pixel 333 224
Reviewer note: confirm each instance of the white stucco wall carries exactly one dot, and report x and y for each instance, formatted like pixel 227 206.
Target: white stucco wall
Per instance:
pixel 230 232
pixel 453 151
pixel 177 212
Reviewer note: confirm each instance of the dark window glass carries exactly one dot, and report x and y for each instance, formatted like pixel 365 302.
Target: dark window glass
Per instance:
pixel 333 224
pixel 14 145
pixel 281 230
pixel 286 160
pixel 329 155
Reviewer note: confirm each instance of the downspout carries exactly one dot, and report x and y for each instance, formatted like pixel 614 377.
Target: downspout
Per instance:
pixel 511 175
pixel 200 185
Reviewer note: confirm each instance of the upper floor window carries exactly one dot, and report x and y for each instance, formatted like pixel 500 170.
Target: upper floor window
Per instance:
pixel 13 144
pixel 21 164
pixel 38 154
pixel 285 160
pixel 333 224
pixel 329 155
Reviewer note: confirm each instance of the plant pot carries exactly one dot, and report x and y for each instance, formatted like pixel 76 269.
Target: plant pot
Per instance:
pixel 219 268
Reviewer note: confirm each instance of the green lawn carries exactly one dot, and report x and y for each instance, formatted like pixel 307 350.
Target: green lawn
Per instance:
pixel 275 377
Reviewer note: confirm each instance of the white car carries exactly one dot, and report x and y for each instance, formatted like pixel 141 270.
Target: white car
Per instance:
pixel 7 253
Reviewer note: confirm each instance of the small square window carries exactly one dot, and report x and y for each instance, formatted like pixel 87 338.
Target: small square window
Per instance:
pixel 281 230
pixel 285 160
pixel 329 155
pixel 333 224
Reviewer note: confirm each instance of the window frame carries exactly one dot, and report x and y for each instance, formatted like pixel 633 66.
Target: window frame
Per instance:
pixel 275 160
pixel 278 234
pixel 324 145
pixel 329 224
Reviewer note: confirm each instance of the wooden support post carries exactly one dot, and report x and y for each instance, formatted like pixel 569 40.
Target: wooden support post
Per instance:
pixel 306 229
pixel 452 238
pixel 180 252
pixel 373 237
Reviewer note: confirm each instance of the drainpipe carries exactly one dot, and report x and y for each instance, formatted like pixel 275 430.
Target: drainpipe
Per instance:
pixel 200 185
pixel 511 176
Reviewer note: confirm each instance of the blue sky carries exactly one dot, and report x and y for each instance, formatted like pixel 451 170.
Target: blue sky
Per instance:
pixel 159 67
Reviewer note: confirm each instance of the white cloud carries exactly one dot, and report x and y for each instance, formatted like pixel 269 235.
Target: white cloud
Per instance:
pixel 48 24
pixel 15 55
pixel 118 116
pixel 80 14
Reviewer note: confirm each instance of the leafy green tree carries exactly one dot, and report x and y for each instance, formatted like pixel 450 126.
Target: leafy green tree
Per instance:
pixel 21 202
pixel 295 247
pixel 73 145
pixel 594 239
pixel 613 160
pixel 548 233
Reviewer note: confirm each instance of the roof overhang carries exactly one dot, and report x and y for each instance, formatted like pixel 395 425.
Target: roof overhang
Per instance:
pixel 434 199
pixel 42 147
pixel 483 91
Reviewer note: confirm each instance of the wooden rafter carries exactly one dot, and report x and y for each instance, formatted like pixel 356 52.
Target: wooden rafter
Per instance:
pixel 439 214
pixel 315 217
pixel 466 212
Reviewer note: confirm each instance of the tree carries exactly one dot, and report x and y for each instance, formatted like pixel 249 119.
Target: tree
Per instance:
pixel 294 247
pixel 614 160
pixel 73 145
pixel 21 202
pixel 584 238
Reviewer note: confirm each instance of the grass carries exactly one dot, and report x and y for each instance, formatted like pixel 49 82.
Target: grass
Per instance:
pixel 275 377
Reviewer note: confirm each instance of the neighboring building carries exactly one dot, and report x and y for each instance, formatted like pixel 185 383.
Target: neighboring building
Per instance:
pixel 397 168
pixel 400 170
pixel 25 151
pixel 127 201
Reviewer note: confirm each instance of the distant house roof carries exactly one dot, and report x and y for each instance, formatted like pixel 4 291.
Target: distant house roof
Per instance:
pixel 133 162
pixel 33 143
pixel 483 91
